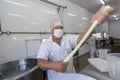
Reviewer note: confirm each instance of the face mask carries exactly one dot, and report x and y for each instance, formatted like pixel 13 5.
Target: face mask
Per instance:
pixel 58 33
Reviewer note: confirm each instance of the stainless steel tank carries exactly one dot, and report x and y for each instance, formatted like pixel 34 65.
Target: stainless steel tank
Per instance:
pixel 25 69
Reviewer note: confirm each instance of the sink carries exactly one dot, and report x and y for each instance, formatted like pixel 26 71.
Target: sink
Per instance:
pixel 17 67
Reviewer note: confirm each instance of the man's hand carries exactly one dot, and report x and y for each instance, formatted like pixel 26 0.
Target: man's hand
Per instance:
pixel 102 14
pixel 60 66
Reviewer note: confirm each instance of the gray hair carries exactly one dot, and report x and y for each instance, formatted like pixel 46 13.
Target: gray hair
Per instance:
pixel 56 22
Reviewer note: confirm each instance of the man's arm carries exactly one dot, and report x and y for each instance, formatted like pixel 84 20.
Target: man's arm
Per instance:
pixel 82 35
pixel 100 16
pixel 58 66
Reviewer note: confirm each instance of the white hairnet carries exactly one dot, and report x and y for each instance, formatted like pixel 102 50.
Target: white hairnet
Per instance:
pixel 56 22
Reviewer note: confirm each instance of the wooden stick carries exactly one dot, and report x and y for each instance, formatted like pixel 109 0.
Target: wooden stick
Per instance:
pixel 95 23
pixel 67 59
pixel 82 41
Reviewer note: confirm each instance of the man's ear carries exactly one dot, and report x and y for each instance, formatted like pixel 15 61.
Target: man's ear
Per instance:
pixel 52 30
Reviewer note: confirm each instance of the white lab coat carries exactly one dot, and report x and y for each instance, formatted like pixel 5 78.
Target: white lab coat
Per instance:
pixel 51 51
pixel 92 48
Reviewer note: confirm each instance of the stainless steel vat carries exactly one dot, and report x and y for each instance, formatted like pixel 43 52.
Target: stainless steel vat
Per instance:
pixel 16 68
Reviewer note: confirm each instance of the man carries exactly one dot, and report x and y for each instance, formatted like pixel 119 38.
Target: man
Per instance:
pixel 53 51
pixel 92 46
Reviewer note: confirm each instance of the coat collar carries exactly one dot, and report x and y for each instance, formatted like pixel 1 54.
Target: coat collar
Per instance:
pixel 62 43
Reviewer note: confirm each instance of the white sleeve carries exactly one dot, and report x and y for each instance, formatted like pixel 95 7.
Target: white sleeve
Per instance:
pixel 43 51
pixel 73 40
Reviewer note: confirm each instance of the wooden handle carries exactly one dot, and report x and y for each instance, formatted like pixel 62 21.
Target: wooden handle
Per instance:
pixel 81 42
pixel 67 59
pixel 95 23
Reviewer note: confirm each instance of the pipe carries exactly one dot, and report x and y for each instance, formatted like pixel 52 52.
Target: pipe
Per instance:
pixel 9 32
pixel 0 29
pixel 54 4
pixel 0 26
pixel 72 33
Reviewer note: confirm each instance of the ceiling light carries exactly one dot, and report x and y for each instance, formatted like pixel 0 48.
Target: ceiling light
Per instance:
pixel 102 1
pixel 16 15
pixel 14 38
pixel 35 23
pixel 80 25
pixel 71 14
pixel 114 16
pixel 16 3
pixel 50 12
pixel 117 19
pixel 84 18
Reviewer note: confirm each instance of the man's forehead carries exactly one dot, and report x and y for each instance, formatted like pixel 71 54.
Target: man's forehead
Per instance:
pixel 57 26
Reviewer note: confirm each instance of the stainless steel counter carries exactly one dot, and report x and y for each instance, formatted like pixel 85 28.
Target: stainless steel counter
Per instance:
pixel 17 69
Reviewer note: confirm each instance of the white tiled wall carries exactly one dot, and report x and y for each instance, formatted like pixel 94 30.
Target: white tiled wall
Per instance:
pixel 13 47
pixel 114 29
pixel 26 15
pixel 32 47
pixel 1 50
pixel 73 16
pixel 104 27
pixel 34 16
pixel 84 49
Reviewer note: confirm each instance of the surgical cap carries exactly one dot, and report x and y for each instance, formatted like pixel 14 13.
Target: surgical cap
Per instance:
pixel 55 23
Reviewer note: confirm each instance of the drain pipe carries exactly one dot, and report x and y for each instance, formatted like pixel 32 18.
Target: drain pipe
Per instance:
pixel 54 4
pixel 41 33
pixel 0 29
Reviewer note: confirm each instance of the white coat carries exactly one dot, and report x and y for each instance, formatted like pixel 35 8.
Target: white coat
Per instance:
pixel 91 43
pixel 51 51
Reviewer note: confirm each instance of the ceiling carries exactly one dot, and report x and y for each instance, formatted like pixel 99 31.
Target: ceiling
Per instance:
pixel 94 5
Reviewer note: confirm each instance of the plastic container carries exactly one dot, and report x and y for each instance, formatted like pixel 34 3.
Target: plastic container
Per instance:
pixel 103 53
pixel 99 64
pixel 114 67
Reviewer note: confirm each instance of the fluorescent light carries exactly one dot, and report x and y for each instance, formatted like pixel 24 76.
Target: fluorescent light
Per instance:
pixel 114 16
pixel 80 25
pixel 102 1
pixel 84 18
pixel 117 19
pixel 16 15
pixel 16 3
pixel 70 14
pixel 14 38
pixel 35 23
pixel 50 12
pixel 97 35
pixel 44 40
